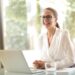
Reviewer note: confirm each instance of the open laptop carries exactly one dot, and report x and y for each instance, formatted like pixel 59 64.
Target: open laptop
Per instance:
pixel 14 61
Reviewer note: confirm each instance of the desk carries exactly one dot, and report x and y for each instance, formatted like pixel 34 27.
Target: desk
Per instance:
pixel 67 71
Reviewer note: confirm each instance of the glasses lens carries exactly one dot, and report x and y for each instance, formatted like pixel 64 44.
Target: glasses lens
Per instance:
pixel 48 17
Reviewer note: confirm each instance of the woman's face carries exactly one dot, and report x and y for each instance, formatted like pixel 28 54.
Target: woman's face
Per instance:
pixel 48 19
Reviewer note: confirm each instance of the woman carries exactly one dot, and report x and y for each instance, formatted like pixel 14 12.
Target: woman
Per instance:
pixel 55 44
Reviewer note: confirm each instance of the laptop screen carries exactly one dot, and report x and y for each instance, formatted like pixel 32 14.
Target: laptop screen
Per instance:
pixel 14 61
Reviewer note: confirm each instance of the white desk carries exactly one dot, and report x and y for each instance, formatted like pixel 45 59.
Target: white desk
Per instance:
pixel 68 71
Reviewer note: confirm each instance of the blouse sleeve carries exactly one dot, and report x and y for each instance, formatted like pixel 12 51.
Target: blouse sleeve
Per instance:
pixel 67 46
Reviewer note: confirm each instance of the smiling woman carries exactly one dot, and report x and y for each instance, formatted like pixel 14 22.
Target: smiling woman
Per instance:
pixel 55 42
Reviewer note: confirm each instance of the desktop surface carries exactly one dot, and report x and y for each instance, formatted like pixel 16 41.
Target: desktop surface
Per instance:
pixel 67 71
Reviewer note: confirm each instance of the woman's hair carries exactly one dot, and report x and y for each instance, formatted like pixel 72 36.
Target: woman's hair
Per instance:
pixel 54 13
pixel 57 25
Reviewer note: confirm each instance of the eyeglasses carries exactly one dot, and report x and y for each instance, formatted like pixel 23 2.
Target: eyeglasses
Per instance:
pixel 48 17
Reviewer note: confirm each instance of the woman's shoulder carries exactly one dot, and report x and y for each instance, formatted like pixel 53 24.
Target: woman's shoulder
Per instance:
pixel 63 31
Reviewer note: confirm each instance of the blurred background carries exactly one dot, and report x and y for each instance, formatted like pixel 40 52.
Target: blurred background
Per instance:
pixel 20 23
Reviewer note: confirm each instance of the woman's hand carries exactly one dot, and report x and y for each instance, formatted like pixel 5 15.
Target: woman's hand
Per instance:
pixel 39 64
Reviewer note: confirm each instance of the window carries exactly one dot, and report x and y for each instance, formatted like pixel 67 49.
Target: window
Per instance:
pixel 15 24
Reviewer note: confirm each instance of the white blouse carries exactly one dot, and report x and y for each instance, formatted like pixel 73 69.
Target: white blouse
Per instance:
pixel 60 49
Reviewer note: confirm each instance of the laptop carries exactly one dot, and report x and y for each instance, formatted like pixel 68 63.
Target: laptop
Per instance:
pixel 14 61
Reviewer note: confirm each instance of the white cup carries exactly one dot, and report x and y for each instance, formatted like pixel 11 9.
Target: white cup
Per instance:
pixel 50 69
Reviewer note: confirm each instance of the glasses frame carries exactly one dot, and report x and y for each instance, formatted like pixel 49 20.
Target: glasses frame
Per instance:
pixel 47 17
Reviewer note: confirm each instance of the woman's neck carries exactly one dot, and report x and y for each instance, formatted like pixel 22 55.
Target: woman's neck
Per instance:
pixel 51 31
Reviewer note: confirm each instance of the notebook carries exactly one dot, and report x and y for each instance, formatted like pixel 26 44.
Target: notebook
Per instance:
pixel 14 61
